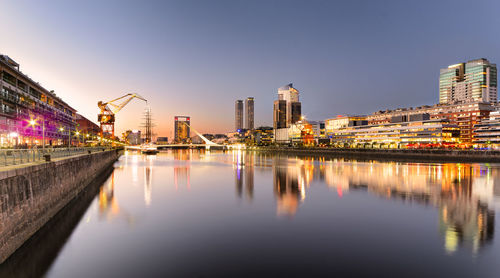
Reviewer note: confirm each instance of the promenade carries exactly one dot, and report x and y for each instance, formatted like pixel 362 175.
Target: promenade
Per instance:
pixel 427 155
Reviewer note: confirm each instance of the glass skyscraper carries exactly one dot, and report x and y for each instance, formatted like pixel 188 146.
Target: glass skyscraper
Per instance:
pixel 475 80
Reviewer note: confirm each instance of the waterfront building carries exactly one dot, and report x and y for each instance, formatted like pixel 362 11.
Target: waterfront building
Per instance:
pixel 161 140
pixel 29 113
pixel 418 131
pixel 302 132
pixel 263 136
pixel 86 126
pixel 134 137
pixel 488 131
pixel 475 80
pixel 343 122
pixel 465 115
pixel 249 113
pixel 238 115
pixel 181 129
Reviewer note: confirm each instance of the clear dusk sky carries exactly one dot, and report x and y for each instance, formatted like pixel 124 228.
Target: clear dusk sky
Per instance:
pixel 197 57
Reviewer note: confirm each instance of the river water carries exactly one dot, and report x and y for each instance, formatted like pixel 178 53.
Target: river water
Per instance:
pixel 191 213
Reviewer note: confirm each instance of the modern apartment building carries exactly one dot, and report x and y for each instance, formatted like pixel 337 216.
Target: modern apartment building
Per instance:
pixel 249 113
pixel 475 80
pixel 29 113
pixel 238 115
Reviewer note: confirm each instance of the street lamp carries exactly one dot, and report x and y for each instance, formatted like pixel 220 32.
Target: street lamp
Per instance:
pixel 61 129
pixel 77 134
pixel 33 122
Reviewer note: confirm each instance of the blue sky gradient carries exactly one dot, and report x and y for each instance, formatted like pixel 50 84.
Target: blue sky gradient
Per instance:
pixel 197 57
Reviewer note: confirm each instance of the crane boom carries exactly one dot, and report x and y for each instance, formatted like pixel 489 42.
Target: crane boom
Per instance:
pixel 108 110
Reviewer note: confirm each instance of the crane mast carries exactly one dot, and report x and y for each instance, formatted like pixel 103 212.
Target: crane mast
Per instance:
pixel 108 110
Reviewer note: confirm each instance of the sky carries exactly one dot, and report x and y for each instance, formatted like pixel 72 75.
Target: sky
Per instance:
pixel 196 58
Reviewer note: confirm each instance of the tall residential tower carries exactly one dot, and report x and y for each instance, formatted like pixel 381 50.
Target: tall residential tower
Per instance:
pixel 238 115
pixel 249 114
pixel 475 80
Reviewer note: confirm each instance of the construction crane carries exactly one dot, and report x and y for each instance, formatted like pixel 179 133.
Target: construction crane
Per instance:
pixel 108 110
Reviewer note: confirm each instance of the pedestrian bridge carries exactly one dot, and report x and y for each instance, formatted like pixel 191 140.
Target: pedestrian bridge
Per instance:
pixel 178 146
pixel 208 144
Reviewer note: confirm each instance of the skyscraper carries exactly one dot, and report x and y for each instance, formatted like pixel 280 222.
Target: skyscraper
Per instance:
pixel 475 80
pixel 279 115
pixel 238 115
pixel 249 114
pixel 287 109
pixel 181 129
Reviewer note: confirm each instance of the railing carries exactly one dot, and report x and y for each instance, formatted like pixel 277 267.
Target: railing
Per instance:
pixel 22 156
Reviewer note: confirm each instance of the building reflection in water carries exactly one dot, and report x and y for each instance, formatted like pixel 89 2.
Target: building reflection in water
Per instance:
pixel 464 194
pixel 243 174
pixel 108 204
pixel 182 168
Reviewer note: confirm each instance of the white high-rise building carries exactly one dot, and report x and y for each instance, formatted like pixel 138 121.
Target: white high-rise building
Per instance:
pixel 287 109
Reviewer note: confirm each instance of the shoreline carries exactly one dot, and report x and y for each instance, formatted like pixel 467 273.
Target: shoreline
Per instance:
pixel 431 155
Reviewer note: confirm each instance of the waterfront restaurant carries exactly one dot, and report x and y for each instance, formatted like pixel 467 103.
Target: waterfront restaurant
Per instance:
pixel 421 133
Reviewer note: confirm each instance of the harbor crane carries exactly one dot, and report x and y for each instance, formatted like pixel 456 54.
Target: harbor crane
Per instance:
pixel 108 109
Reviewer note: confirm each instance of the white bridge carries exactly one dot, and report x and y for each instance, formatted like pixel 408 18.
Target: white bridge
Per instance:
pixel 208 144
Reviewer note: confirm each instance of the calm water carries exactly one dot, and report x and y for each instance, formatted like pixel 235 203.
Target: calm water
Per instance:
pixel 196 214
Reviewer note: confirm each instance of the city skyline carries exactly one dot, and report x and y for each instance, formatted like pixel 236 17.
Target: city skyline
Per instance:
pixel 339 71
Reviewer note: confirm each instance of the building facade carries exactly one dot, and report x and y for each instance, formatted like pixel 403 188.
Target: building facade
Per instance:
pixel 344 121
pixel 488 131
pixel 249 113
pixel 181 129
pixel 134 137
pixel 465 115
pixel 238 115
pixel 415 132
pixel 86 126
pixel 29 113
pixel 287 109
pixel 279 114
pixel 161 140
pixel 473 81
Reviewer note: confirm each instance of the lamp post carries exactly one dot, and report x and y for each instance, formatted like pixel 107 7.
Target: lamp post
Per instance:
pixel 77 133
pixel 33 122
pixel 61 129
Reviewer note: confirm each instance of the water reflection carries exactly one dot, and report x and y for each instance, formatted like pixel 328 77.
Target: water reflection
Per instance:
pixel 304 211
pixel 464 194
pixel 182 168
pixel 243 174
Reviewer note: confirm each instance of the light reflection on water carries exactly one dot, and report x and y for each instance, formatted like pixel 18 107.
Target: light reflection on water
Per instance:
pixel 193 213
